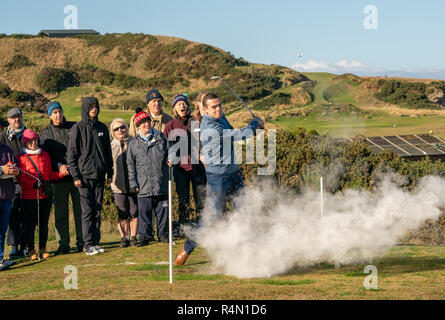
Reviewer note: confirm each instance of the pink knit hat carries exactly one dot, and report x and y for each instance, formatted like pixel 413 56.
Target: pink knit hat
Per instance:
pixel 28 134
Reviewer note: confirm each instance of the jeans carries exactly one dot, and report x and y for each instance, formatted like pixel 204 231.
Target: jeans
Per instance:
pixel 5 212
pixel 220 189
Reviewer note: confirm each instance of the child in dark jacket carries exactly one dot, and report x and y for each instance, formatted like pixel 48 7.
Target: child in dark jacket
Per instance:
pixel 36 162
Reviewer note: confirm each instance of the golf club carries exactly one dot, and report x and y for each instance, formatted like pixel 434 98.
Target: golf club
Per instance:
pixel 225 83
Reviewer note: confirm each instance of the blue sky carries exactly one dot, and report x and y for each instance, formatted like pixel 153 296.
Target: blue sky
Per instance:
pixel 329 34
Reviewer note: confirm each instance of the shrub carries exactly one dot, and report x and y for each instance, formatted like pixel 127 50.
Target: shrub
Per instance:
pixel 302 157
pixel 19 61
pixel 5 91
pixel 406 94
pixel 273 100
pixel 128 104
pixel 52 80
pixel 20 96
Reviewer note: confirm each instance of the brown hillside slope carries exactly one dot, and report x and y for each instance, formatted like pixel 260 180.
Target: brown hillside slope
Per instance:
pixel 138 55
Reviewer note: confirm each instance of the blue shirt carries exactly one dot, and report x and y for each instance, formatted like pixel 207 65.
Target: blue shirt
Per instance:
pixel 217 137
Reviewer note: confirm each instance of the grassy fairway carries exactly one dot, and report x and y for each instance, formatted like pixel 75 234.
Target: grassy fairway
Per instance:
pixel 377 125
pixel 406 272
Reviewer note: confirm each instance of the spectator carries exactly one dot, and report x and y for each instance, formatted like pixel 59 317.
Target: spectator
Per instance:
pixel 12 137
pixel 199 108
pixel 179 133
pixel 36 162
pixel 224 179
pixel 7 193
pixel 159 118
pixel 54 140
pixel 148 175
pixel 126 201
pixel 89 160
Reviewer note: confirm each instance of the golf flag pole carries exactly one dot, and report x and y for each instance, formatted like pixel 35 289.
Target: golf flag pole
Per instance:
pixel 170 224
pixel 321 197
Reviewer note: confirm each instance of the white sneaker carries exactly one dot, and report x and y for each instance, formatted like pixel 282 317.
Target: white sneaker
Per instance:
pixel 4 264
pixel 91 251
pixel 99 249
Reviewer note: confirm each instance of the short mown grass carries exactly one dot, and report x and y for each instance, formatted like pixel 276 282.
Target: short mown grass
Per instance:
pixel 143 273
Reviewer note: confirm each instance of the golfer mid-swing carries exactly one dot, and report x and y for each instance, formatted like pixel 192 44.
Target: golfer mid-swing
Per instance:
pixel 224 179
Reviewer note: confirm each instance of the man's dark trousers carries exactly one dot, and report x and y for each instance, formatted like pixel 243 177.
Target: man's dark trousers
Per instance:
pixel 145 208
pixel 91 197
pixel 62 190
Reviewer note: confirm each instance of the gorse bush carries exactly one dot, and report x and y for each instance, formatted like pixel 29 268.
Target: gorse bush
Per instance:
pixel 273 100
pixel 20 96
pixel 303 157
pixel 127 40
pixel 19 61
pixel 5 91
pixel 52 80
pixel 408 94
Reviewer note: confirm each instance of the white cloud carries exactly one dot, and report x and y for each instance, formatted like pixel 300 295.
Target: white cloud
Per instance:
pixel 341 66
pixel 362 69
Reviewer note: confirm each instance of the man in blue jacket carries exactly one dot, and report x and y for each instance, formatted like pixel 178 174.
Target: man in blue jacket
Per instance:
pixel 224 179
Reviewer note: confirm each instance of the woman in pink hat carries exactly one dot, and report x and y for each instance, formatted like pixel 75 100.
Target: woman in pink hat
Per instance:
pixel 37 163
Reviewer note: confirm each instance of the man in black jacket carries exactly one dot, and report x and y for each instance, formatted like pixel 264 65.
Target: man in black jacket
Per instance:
pixel 12 137
pixel 54 140
pixel 89 160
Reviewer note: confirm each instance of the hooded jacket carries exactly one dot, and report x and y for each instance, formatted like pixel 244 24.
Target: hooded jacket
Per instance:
pixel 54 140
pixel 89 149
pixel 147 165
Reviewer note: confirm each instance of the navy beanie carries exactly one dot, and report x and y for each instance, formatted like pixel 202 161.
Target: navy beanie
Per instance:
pixel 53 105
pixel 153 94
pixel 180 97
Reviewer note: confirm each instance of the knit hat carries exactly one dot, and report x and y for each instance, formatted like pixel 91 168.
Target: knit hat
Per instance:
pixel 153 94
pixel 28 134
pixel 180 97
pixel 51 106
pixel 140 118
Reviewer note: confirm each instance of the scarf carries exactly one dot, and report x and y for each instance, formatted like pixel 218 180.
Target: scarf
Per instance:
pixel 147 138
pixel 27 151
pixel 156 121
pixel 14 132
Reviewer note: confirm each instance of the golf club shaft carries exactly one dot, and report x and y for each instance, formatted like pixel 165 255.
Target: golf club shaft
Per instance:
pixel 247 107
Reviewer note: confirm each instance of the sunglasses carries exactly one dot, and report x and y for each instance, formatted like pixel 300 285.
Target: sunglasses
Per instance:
pixel 121 127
